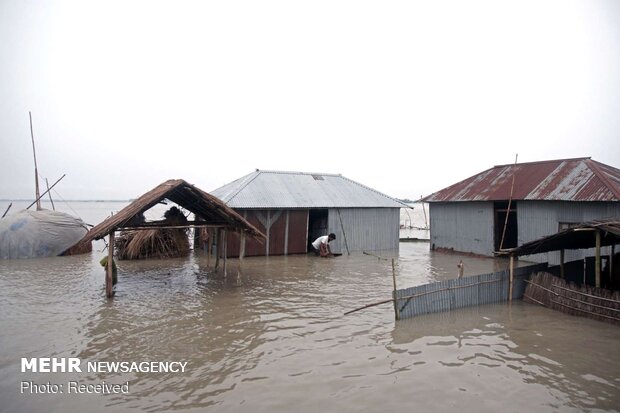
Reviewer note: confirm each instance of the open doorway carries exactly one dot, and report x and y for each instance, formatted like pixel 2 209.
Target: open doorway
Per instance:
pixel 317 225
pixel 510 235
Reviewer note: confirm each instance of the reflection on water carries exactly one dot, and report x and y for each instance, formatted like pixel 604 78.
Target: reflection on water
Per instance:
pixel 279 342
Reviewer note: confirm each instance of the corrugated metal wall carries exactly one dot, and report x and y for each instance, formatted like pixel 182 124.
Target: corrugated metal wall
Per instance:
pixel 468 226
pixel 463 292
pixel 366 229
pixel 537 219
pixel 287 233
pixel 462 226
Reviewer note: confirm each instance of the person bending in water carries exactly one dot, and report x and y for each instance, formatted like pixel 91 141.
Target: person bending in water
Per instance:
pixel 321 245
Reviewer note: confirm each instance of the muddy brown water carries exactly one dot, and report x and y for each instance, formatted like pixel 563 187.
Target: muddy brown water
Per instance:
pixel 279 341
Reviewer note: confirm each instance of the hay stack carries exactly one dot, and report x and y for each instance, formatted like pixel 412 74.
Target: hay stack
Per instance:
pixel 155 243
pixel 586 301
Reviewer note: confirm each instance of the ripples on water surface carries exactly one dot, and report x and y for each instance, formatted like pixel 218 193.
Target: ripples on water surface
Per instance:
pixel 279 342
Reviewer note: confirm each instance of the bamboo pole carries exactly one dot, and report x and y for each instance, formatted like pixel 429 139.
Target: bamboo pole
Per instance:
pixel 109 276
pixel 501 244
pixel 38 200
pixel 424 210
pixel 597 262
pixel 36 171
pixel 9 207
pixel 369 305
pixel 47 184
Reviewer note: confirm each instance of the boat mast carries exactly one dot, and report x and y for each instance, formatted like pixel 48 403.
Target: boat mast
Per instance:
pixel 36 171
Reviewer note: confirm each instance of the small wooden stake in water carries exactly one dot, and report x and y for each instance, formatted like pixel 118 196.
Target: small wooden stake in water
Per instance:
pixel 108 275
pixel 396 310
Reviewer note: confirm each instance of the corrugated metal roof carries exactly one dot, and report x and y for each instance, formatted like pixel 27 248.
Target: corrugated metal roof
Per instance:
pixel 580 179
pixel 279 189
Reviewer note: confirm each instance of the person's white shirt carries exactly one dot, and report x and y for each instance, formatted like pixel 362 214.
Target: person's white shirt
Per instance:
pixel 320 240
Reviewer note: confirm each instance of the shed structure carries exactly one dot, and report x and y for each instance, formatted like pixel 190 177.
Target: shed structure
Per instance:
pixel 510 205
pixel 294 208
pixel 209 211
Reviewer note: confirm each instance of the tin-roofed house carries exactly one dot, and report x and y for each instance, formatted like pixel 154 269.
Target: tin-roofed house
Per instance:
pixel 508 205
pixel 294 208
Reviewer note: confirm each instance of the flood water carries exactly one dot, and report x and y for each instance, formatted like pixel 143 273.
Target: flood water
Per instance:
pixel 277 341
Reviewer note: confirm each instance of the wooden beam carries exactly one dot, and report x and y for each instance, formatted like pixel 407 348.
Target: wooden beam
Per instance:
pixel 162 225
pixel 562 263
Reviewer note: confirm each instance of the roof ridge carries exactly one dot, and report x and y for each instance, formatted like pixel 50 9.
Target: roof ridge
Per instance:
pixel 235 193
pixel 603 177
pixel 373 190
pixel 458 183
pixel 297 172
pixel 545 161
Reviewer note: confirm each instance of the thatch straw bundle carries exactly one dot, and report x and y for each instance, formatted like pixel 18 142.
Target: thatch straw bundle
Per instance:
pixel 586 301
pixel 155 243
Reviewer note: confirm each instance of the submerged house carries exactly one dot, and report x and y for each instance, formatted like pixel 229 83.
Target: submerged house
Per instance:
pixel 294 208
pixel 509 205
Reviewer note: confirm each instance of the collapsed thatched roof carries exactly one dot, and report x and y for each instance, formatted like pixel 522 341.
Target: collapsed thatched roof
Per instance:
pixel 207 209
pixel 577 237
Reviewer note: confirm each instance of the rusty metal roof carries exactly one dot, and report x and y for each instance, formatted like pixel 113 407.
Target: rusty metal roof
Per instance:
pixel 580 179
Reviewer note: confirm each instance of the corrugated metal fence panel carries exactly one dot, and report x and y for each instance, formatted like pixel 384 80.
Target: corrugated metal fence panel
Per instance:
pixel 464 292
pixel 366 229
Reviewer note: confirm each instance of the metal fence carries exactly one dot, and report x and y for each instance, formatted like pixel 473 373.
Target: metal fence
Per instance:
pixel 463 292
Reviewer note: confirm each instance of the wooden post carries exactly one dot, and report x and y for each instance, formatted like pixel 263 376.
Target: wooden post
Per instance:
pixel 512 271
pixel 597 262
pixel 108 275
pixel 208 248
pixel 611 263
pixel 396 309
pixel 225 251
pixel 562 263
pixel 218 238
pixel 241 256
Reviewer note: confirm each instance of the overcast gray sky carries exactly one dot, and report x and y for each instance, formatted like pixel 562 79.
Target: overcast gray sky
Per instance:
pixel 406 97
